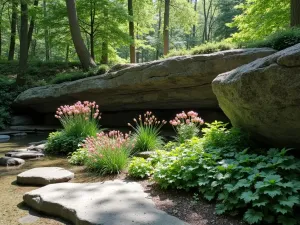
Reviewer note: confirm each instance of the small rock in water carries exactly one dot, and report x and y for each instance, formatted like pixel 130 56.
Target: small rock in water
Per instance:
pixel 24 154
pixel 9 161
pixel 4 138
pixel 38 148
pixel 38 142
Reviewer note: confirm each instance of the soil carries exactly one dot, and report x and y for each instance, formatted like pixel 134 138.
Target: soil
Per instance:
pixel 177 203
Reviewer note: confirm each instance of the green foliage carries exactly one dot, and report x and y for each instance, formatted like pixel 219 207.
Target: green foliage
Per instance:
pixel 78 157
pixel 146 136
pixel 107 153
pixel 8 92
pixel 207 48
pixel 265 185
pixel 140 168
pixel 279 40
pixel 76 75
pixel 61 143
pixel 260 18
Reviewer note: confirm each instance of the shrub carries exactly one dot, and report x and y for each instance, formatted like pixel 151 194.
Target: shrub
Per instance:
pixel 263 186
pixel 146 134
pixel 102 69
pixel 216 135
pixel 107 153
pixel 186 126
pixel 140 168
pixel 8 92
pixel 279 40
pixel 78 157
pixel 79 121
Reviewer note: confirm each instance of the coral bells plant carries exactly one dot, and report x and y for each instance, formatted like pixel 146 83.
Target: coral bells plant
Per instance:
pixel 79 121
pixel 186 125
pixel 108 153
pixel 146 134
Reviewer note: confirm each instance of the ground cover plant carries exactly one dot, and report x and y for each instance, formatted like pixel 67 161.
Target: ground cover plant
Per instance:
pixel 108 153
pixel 79 121
pixel 140 168
pixel 146 132
pixel 262 185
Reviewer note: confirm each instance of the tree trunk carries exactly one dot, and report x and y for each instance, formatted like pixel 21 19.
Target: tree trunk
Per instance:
pixel 158 31
pixel 131 32
pixel 82 52
pixel 23 43
pixel 67 52
pixel 31 26
pixel 13 30
pixel 104 56
pixel 295 13
pixel 166 27
pixel 46 33
pixel 194 26
pixel 1 33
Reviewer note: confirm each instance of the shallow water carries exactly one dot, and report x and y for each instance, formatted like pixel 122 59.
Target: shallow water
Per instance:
pixel 20 142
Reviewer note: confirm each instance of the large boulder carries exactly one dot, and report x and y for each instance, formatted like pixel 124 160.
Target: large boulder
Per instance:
pixel 9 161
pixel 263 97
pixel 174 83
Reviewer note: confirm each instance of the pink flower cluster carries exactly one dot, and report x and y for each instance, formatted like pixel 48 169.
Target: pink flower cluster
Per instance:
pixel 84 109
pixel 186 118
pixel 106 141
pixel 148 119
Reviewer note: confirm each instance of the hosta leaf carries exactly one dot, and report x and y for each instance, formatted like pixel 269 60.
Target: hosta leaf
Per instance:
pixel 280 209
pixel 261 184
pixel 286 220
pixel 272 192
pixel 290 201
pixel 209 196
pixel 222 196
pixel 229 187
pixel 252 216
pixel 249 196
pixel 285 185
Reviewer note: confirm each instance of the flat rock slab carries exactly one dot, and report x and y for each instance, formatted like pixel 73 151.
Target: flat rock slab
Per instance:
pixel 9 161
pixel 37 148
pixel 145 155
pixel 24 154
pixel 44 176
pixel 109 203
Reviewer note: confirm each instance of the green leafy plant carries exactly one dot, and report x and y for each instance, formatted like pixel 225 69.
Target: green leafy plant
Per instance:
pixel 107 153
pixel 140 168
pixel 263 185
pixel 79 121
pixel 146 135
pixel 186 125
pixel 78 157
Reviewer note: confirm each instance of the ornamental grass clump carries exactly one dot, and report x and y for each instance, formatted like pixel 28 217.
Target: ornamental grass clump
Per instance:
pixel 186 125
pixel 108 153
pixel 79 121
pixel 146 134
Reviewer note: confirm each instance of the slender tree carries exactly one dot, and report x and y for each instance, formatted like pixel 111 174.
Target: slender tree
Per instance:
pixel 131 32
pixel 23 43
pixel 158 45
pixel 31 25
pixel 166 27
pixel 295 13
pixel 13 30
pixel 82 52
pixel 46 32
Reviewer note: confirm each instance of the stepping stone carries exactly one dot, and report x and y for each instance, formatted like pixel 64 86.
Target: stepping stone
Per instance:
pixel 4 138
pixel 109 203
pixel 9 161
pixel 38 142
pixel 44 176
pixel 24 154
pixel 37 148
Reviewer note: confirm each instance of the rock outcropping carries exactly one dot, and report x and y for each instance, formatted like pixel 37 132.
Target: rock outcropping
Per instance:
pixel 174 83
pixel 263 97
